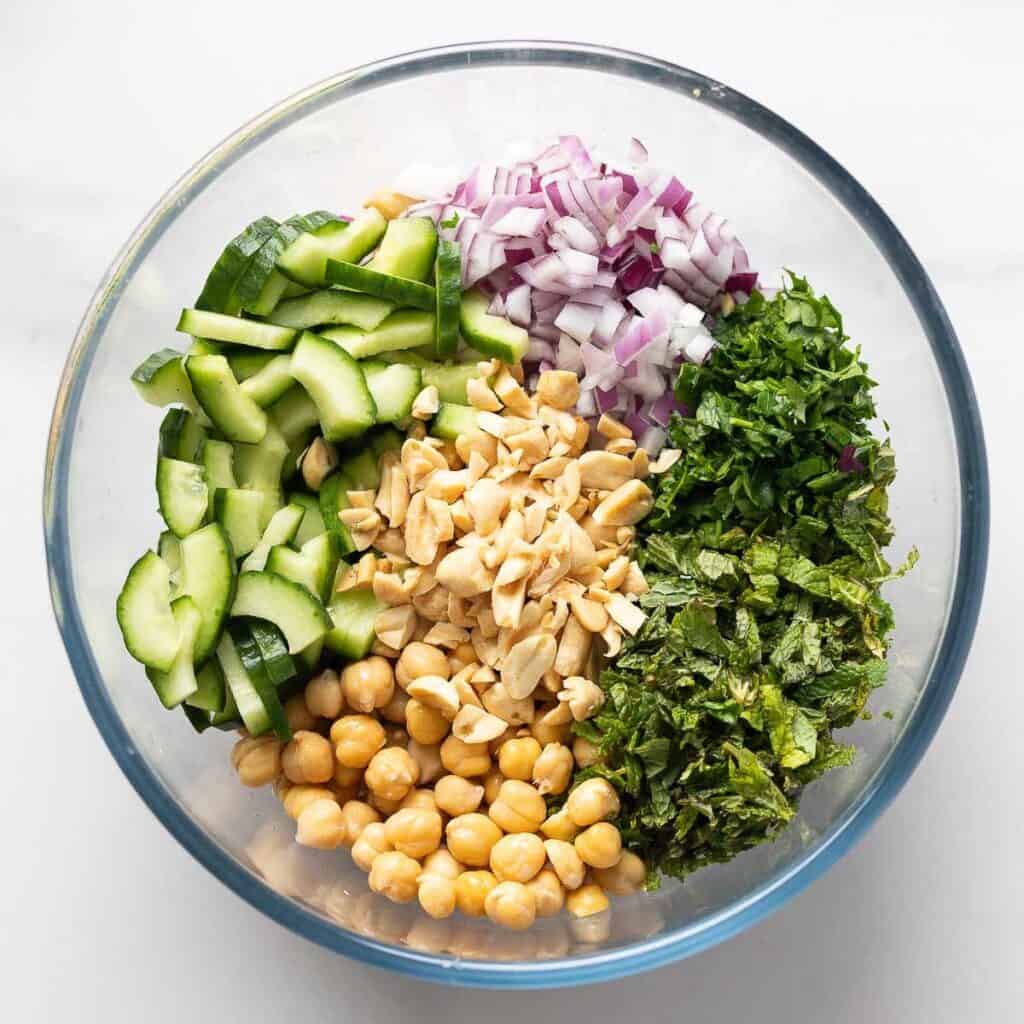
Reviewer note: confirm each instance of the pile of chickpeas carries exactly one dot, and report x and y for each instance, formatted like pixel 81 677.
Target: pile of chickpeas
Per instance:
pixel 454 825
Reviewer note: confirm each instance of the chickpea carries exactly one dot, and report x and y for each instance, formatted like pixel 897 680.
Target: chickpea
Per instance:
pixel 517 858
pixel 492 785
pixel 357 815
pixel 321 825
pixel 462 656
pixel 385 806
pixel 394 875
pixel 592 801
pixel 368 684
pixel 298 714
pixel 394 710
pixel 344 793
pixel 437 895
pixel 356 739
pixel 511 904
pixel 347 778
pixel 517 758
pixel 308 758
pixel 257 759
pixel 396 736
pixel 600 846
pixel 428 759
pixel 585 753
pixel 391 773
pixel 465 759
pixel 372 842
pixel 425 724
pixel 414 831
pixel 519 807
pixel 566 862
pixel 423 799
pixel 441 862
pixel 456 795
pixel 323 695
pixel 548 892
pixel 471 891
pixel 298 798
pixel 586 900
pixel 420 659
pixel 560 826
pixel 553 769
pixel 546 727
pixel 626 877
pixel 470 838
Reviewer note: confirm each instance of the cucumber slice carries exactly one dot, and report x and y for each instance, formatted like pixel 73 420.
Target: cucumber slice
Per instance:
pixel 227 719
pixel 305 260
pixel 208 577
pixel 309 661
pixel 273 651
pixel 231 329
pixel 332 307
pixel 267 385
pixel 182 495
pixel 211 690
pixel 448 290
pixel 333 499
pixel 394 388
pixel 401 291
pixel 232 411
pixel 312 524
pixel 240 513
pixel 336 385
pixel 218 461
pixel 408 357
pixel 452 420
pixel 204 347
pixel 179 682
pixel 161 380
pixel 181 436
pixel 246 363
pixel 295 566
pixel 294 414
pixel 280 530
pixel 407 249
pixel 263 684
pixel 169 549
pixel 296 612
pixel 362 470
pixel 241 688
pixel 492 335
pixel 353 614
pixel 450 380
pixel 218 292
pixel 259 467
pixel 386 440
pixel 150 631
pixel 408 328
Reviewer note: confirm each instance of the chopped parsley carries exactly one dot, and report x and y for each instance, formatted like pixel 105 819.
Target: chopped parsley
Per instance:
pixel 451 221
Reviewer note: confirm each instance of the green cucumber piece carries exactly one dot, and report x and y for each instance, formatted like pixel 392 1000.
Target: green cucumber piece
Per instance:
pixel 336 385
pixel 452 420
pixel 273 651
pixel 295 566
pixel 151 633
pixel 240 513
pixel 161 380
pixel 280 530
pixel 399 290
pixel 408 357
pixel 294 414
pixel 251 708
pixel 182 495
pixel 305 260
pixel 448 292
pixel 179 682
pixel 312 524
pixel 181 436
pixel 386 440
pixel 256 669
pixel 492 335
pixel 394 388
pixel 211 690
pixel 334 499
pixel 353 614
pixel 260 466
pixel 232 411
pixel 362 470
pixel 450 380
pixel 234 331
pixel 408 328
pixel 267 385
pixel 218 294
pixel 407 249
pixel 331 306
pixel 245 363
pixel 169 549
pixel 208 577
pixel 218 462
pixel 296 612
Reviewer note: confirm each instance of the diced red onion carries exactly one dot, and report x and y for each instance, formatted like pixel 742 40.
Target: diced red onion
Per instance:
pixel 567 356
pixel 577 234
pixel 518 307
pixel 577 320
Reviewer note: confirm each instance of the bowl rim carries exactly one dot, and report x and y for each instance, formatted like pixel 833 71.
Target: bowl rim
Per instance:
pixel 948 662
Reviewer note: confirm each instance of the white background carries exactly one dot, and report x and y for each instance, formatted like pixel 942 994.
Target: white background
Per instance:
pixel 102 105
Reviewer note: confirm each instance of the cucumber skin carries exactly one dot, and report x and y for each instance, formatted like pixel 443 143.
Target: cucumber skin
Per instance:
pixel 490 335
pixel 448 285
pixel 141 648
pixel 218 290
pixel 399 290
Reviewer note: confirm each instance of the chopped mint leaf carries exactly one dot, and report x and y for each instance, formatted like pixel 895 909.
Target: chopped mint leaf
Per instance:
pixel 452 221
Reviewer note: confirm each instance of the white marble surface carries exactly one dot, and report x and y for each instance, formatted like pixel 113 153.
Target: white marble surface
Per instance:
pixel 102 916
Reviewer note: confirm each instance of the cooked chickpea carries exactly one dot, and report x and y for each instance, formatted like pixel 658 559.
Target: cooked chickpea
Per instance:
pixel 566 861
pixel 517 758
pixel 419 798
pixel 465 759
pixel 626 877
pixel 347 778
pixel 420 659
pixel 368 684
pixel 456 795
pixel 414 831
pixel 492 785
pixel 553 769
pixel 519 807
pixel 470 838
pixel 395 875
pixel 586 900
pixel 547 727
pixel 372 841
pixel 394 710
pixel 428 760
pixel 391 773
pixel 257 759
pixel 308 757
pixel 357 815
pixel 343 793
pixel 385 806
pixel 300 717
pixel 548 892
pixel 560 826
pixel 512 905
pixel 600 846
pixel 471 891
pixel 298 798
pixel 517 858
pixel 425 724
pixel 592 801
pixel 321 825
pixel 462 656
pixel 356 739
pixel 323 695
pixel 437 895
pixel 441 862
pixel 585 753
pixel 396 736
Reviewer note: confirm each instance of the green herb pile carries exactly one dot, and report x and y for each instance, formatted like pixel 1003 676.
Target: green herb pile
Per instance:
pixel 766 628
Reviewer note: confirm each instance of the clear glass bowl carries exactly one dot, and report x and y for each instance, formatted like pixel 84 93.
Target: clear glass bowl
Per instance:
pixel 330 146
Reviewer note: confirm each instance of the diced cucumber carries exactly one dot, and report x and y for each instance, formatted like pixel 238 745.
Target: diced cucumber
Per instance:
pixel 293 290
pixel 211 690
pixel 296 612
pixel 280 530
pixel 305 260
pixel 204 347
pixel 249 653
pixel 408 357
pixel 144 614
pixel 273 650
pixel 273 502
pixel 161 380
pixel 448 290
pixel 492 335
pixel 182 495
pixel 294 414
pixel 312 524
pixel 353 614
pixel 245 362
pixel 295 566
pixel 169 549
pixel 363 470
pixel 450 380
pixel 208 577
pixel 235 331
pixel 267 385
pixel 331 306
pixel 394 388
pixel 243 692
pixel 407 249
pixel 260 466
pixel 179 682
pixel 386 440
pixel 401 291
pixel 181 436
pixel 408 328
pixel 218 292
pixel 240 513
pixel 218 461
pixel 232 411
pixel 334 499
pixel 336 385
pixel 452 420
pixel 226 718
pixel 309 659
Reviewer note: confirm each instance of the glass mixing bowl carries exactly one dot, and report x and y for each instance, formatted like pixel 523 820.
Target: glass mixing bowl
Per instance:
pixel 332 145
